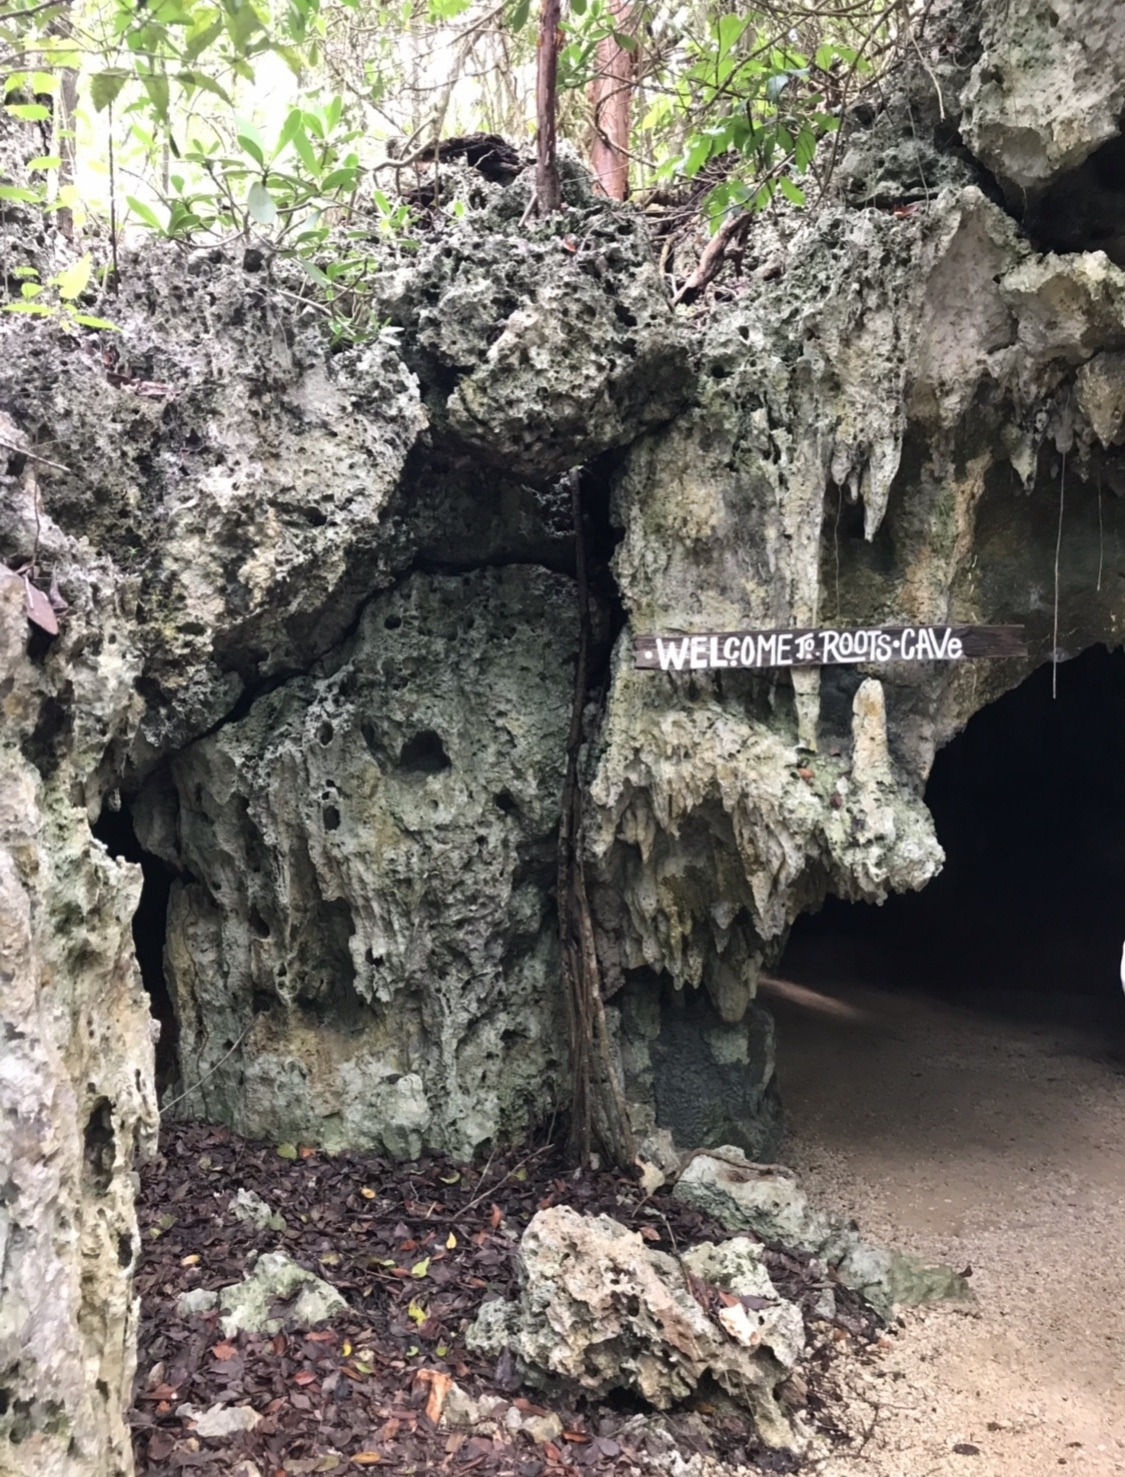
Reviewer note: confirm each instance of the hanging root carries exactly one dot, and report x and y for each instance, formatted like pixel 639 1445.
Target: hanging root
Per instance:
pixel 598 1114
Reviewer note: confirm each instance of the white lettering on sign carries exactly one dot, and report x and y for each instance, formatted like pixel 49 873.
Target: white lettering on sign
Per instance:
pixel 671 653
pixel 756 650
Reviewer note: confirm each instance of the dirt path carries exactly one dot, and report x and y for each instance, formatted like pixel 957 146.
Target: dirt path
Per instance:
pixel 995 1143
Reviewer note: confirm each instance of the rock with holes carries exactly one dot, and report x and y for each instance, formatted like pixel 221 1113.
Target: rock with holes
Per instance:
pixel 771 1204
pixel 77 1104
pixel 599 1310
pixel 1047 91
pixel 366 859
pixel 541 347
pixel 277 1294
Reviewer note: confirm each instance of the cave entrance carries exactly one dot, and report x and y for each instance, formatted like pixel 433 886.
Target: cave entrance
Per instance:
pixel 114 829
pixel 949 1064
pixel 1027 918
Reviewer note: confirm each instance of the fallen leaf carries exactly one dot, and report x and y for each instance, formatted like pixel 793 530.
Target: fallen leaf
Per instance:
pixel 190 1261
pixel 496 1217
pixel 651 1176
pixel 367 1193
pixel 223 1350
pixel 450 1241
pixel 365 1458
pixel 417 1312
pixel 419 1269
pixel 439 1383
pixel 287 1151
pixel 304 1377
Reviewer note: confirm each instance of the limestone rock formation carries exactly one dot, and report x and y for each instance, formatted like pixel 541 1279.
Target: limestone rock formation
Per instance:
pixel 775 1208
pixel 322 624
pixel 77 1105
pixel 364 885
pixel 600 1310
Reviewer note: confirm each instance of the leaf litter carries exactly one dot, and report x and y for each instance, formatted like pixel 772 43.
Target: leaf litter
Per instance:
pixel 415 1249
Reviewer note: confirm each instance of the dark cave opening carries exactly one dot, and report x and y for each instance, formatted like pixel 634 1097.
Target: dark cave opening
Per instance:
pixel 1084 209
pixel 1027 919
pixel 114 829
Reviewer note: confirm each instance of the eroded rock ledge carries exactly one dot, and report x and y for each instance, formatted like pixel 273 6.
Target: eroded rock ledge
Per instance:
pixel 321 634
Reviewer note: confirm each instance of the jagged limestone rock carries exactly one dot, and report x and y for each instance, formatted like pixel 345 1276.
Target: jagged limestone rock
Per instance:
pixel 1048 88
pixel 370 854
pixel 541 350
pixel 228 464
pixel 772 1205
pixel 77 1106
pixel 599 1310
pixel 736 1266
pixel 277 1294
pixel 246 1205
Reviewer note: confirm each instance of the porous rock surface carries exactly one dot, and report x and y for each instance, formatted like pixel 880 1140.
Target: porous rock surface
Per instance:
pixel 77 1104
pixel 358 816
pixel 367 901
pixel 599 1310
pixel 744 1197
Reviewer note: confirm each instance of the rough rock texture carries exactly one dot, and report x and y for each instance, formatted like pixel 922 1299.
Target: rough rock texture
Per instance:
pixel 773 1206
pixel 76 1065
pixel 600 1310
pixel 277 1294
pixel 365 892
pixel 1048 89
pixel 322 626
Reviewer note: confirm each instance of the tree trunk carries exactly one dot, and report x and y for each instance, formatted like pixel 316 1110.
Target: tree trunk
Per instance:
pixel 547 187
pixel 611 96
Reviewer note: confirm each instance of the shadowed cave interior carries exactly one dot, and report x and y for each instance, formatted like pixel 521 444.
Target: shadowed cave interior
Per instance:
pixel 1027 918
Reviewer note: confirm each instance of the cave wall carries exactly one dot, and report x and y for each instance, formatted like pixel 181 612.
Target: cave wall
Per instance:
pixel 322 629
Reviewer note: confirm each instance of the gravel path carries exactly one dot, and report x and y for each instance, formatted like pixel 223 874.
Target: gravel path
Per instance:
pixel 997 1143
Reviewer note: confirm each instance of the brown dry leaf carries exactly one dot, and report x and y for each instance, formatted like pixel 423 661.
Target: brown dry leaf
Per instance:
pixel 496 1217
pixel 440 1384
pixel 304 1377
pixel 39 610
pixel 365 1458
pixel 224 1350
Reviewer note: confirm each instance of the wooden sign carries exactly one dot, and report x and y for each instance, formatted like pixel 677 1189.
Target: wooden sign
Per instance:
pixel 758 650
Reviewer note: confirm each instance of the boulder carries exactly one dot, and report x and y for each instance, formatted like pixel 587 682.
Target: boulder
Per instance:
pixel 251 1305
pixel 771 1204
pixel 599 1310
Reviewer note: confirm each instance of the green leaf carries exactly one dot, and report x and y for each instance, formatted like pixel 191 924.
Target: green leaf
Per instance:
pixel 20 192
pixel 517 16
pixel 287 1151
pixel 251 140
pixel 72 281
pixel 419 1269
pixel 29 112
pixel 261 204
pixel 105 86
pixel 157 89
pixel 289 130
pixel 791 191
pixel 202 83
pixel 200 40
pixel 45 161
pixel 339 179
pixel 28 290
pixel 305 152
pixel 145 212
pixel 416 1312
pixel 89 322
pixel 44 82
pixel 241 25
pixel 37 310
